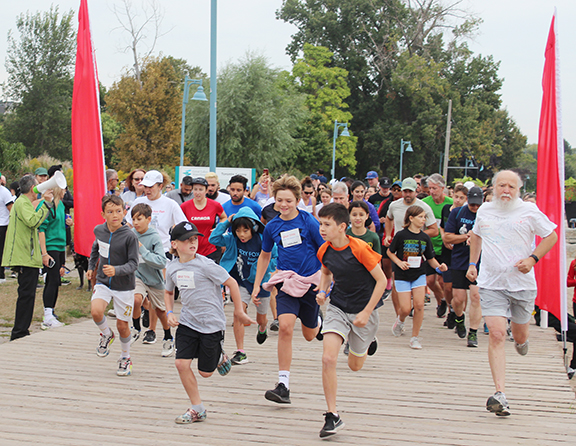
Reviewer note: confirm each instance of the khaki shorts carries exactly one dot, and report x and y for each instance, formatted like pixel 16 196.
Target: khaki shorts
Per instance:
pixel 155 295
pixel 123 300
pixel 514 305
pixel 247 299
pixel 359 339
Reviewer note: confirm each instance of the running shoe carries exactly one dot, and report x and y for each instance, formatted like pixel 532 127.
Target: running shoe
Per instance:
pixel 261 337
pixel 449 322
pixel 275 325
pixel 319 335
pixel 373 346
pixel 427 299
pixel 167 347
pixel 522 349
pixel 332 424
pixel 509 333
pixel 104 345
pixel 346 348
pixel 111 313
pixel 145 318
pixel 441 309
pixel 279 395
pixel 124 367
pixel 472 339
pixel 134 335
pixel 239 358
pixel 570 371
pixel 65 282
pixel 460 326
pixel 497 404
pixel 190 416
pixel 386 295
pixel 149 337
pixel 224 366
pixel 2 280
pixel 51 322
pixel 398 327
pixel 415 343
pixel 486 331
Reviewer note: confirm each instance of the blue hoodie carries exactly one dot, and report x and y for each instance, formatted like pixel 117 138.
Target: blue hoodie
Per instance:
pixel 222 237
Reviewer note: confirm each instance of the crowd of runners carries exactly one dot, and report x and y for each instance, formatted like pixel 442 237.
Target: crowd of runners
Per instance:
pixel 327 253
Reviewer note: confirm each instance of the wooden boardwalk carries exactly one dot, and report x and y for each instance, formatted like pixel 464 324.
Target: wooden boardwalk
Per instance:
pixel 54 390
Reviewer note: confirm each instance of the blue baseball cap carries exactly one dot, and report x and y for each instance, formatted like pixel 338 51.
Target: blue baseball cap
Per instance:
pixel 397 183
pixel 371 175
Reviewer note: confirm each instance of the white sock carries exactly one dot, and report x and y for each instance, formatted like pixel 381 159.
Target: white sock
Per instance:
pixel 284 378
pixel 48 313
pixel 103 326
pixel 125 344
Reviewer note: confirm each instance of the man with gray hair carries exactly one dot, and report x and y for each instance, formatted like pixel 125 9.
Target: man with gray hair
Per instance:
pixel 504 232
pixel 111 181
pixel 437 200
pixel 340 193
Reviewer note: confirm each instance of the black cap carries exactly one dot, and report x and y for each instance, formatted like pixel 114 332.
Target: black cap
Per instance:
pixel 385 182
pixel 183 231
pixel 200 180
pixel 53 169
pixel 475 196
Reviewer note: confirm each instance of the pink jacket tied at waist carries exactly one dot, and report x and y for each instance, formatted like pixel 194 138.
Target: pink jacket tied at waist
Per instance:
pixel 295 285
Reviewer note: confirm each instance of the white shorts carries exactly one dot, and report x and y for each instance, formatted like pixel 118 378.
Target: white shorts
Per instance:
pixel 123 300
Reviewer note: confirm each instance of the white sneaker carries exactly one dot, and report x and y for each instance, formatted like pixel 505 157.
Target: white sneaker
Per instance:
pixel 167 348
pixel 415 343
pixel 111 313
pixel 2 280
pixel 398 327
pixel 134 335
pixel 51 323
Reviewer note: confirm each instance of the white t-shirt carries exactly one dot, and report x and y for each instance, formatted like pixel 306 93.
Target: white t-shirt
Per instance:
pixel 222 198
pixel 397 211
pixel 165 214
pixel 507 237
pixel 6 198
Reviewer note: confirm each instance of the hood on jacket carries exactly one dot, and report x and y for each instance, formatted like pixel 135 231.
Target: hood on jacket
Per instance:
pixel 248 212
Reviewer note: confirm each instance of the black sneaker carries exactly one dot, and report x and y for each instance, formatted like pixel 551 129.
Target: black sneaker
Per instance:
pixel 149 337
pixel 145 318
pixel 441 309
pixel 239 358
pixel 373 347
pixel 261 337
pixel 319 335
pixel 472 339
pixel 460 326
pixel 386 295
pixel 497 404
pixel 279 395
pixel 450 322
pixel 275 325
pixel 332 425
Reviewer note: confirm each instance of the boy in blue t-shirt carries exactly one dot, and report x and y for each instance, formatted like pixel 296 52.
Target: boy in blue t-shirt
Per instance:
pixel 298 238
pixel 243 244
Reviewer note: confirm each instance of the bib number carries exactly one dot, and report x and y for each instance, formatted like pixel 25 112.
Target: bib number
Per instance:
pixel 415 261
pixel 291 238
pixel 185 280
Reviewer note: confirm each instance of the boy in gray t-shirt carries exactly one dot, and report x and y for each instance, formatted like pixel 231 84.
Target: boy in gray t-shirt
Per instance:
pixel 200 332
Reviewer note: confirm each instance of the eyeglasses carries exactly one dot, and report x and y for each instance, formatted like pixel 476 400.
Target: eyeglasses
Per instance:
pixel 137 179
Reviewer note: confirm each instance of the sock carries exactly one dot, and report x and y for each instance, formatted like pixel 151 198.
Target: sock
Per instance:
pixel 473 330
pixel 241 351
pixel 388 285
pixel 125 344
pixel 198 407
pixel 284 378
pixel 167 334
pixel 103 326
pixel 319 321
pixel 48 313
pixel 136 324
pixel 261 331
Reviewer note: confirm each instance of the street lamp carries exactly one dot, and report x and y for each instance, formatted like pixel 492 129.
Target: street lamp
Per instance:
pixel 198 96
pixel 408 148
pixel 344 133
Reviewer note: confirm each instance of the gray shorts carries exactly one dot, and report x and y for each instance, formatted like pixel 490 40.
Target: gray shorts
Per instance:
pixel 515 305
pixel 247 299
pixel 359 339
pixel 155 295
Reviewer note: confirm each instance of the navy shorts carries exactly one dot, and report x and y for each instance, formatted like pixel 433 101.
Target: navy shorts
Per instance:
pixel 207 347
pixel 305 308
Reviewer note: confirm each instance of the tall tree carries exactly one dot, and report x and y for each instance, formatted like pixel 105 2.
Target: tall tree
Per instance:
pixel 39 66
pixel 149 113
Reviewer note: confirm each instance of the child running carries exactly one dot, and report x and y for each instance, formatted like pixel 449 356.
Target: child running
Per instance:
pixel 116 248
pixel 296 233
pixel 243 244
pixel 406 251
pixel 200 332
pixel 359 283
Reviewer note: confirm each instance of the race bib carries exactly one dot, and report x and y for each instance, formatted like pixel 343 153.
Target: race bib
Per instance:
pixel 291 238
pixel 185 280
pixel 415 261
pixel 103 249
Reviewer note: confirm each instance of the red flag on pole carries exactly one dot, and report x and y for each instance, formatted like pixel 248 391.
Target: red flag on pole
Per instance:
pixel 551 271
pixel 87 144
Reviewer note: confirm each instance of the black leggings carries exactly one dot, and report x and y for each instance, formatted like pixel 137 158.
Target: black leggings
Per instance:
pixel 52 282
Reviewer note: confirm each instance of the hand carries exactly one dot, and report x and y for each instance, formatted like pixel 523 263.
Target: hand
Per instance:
pixel 382 220
pixel 48 196
pixel 62 272
pixel 525 265
pixel 89 274
pixel 243 318
pixel 387 241
pixel 46 260
pixel 361 319
pixel 172 320
pixel 443 268
pixel 69 222
pixel 404 265
pixel 256 300
pixel 449 246
pixel 255 292
pixel 109 270
pixel 321 299
pixel 231 218
pixel 472 273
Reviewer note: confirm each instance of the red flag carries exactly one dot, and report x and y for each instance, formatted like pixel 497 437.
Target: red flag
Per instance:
pixel 551 271
pixel 87 144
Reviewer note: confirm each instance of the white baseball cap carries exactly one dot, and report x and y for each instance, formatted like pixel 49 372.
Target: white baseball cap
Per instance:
pixel 151 178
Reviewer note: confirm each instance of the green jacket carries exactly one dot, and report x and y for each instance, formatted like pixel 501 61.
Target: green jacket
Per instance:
pixel 22 247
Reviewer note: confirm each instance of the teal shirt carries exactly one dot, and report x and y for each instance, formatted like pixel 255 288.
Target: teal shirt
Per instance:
pixel 54 228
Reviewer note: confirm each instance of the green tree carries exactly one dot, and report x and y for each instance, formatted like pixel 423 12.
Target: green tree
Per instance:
pixel 149 114
pixel 11 157
pixel 326 89
pixel 259 112
pixel 39 66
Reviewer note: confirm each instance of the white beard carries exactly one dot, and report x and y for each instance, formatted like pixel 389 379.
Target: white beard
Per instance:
pixel 505 205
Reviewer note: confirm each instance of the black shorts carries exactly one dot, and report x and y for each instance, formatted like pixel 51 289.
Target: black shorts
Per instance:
pixel 460 281
pixel 429 270
pixel 191 344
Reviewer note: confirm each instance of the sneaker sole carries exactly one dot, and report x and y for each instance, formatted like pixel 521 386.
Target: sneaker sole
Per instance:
pixel 497 408
pixel 124 373
pixel 244 361
pixel 327 434
pixel 167 354
pixel 103 355
pixel 473 345
pixel 271 396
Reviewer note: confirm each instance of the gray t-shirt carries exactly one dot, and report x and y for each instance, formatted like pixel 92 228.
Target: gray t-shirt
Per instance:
pixel 199 283
pixel 397 212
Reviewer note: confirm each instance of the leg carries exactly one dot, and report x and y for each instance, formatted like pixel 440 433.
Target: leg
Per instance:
pixel 27 281
pixel 153 319
pixel 161 314
pixel 262 320
pixel 137 311
pixel 3 230
pixel 404 304
pixel 435 287
pixel 188 380
pixel 355 363
pixel 496 350
pixel 475 312
pixel 331 348
pixel 52 283
pixel 285 334
pixel 273 294
pixel 97 308
pixel 520 332
pixel 459 299
pixel 123 328
pixel 239 331
pixel 448 293
pixel 418 298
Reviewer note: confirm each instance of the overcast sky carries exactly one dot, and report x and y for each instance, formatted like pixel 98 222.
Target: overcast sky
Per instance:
pixel 514 32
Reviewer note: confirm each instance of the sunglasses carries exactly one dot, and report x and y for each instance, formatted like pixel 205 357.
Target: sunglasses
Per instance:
pixel 138 179
pixel 307 193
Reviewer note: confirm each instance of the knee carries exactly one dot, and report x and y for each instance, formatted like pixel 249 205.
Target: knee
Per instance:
pixel 182 365
pixel 354 365
pixel 97 314
pixel 205 374
pixel 418 306
pixel 497 336
pixel 329 361
pixel 285 330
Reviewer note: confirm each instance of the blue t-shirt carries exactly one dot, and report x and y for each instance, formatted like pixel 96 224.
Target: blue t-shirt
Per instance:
pixel 302 237
pixel 248 254
pixel 231 208
pixel 460 221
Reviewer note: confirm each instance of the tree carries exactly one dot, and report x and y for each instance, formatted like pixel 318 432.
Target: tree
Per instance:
pixel 39 66
pixel 259 113
pixel 326 88
pixel 149 114
pixel 11 156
